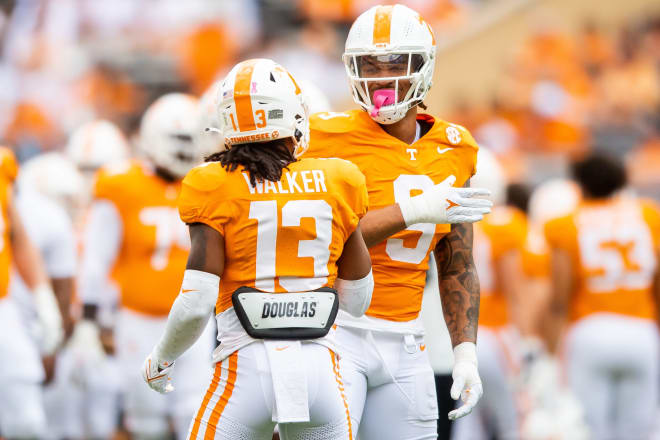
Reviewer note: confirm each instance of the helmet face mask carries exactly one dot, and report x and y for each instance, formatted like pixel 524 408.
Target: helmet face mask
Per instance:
pixel 401 61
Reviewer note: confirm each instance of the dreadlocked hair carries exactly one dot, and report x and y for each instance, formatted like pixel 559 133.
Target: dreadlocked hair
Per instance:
pixel 262 160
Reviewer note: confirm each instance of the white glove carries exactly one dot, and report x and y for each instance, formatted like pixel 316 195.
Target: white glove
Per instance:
pixel 50 318
pixel 467 383
pixel 445 204
pixel 157 375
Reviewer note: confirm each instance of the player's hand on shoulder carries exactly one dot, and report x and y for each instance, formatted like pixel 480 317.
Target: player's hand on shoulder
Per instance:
pixel 467 383
pixel 446 204
pixel 157 374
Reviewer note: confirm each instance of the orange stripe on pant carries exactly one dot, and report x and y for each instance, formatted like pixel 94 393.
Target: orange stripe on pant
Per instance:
pixel 207 397
pixel 335 368
pixel 224 398
pixel 382 25
pixel 242 96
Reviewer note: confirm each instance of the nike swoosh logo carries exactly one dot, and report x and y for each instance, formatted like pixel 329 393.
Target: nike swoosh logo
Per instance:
pixel 282 348
pixel 444 150
pixel 451 204
pixel 189 290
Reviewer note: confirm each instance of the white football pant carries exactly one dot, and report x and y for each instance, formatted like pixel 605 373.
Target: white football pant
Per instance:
pixel 21 374
pixel 389 383
pixel 238 404
pixel 612 366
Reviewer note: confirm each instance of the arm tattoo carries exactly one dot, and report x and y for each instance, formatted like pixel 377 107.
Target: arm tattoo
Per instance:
pixel 459 283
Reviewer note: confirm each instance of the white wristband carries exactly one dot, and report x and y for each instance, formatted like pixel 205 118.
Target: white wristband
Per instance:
pixel 465 352
pixel 355 295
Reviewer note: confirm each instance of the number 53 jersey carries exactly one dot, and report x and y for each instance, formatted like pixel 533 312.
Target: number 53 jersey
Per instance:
pixel 394 171
pixel 614 246
pixel 283 236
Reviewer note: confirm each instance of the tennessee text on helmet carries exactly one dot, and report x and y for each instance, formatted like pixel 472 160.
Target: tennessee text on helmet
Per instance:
pixel 389 44
pixel 293 315
pixel 260 101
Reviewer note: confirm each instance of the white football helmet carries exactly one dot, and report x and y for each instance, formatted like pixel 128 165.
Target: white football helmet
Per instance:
pixel 209 134
pixel 259 102
pixel 398 38
pixel 315 99
pixel 490 175
pixel 168 133
pixel 552 199
pixel 95 144
pixel 56 177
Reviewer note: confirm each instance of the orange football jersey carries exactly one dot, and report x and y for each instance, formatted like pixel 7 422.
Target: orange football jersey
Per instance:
pixel 536 255
pixel 501 232
pixel 281 236
pixel 395 170
pixel 614 246
pixel 154 247
pixel 8 171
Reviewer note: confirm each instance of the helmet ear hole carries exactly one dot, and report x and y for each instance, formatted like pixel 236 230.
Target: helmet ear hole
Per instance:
pixel 298 135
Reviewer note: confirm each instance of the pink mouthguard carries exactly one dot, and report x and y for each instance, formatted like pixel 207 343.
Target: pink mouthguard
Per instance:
pixel 382 97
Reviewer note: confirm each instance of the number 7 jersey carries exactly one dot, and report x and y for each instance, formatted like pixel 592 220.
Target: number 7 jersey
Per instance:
pixel 396 170
pixel 281 236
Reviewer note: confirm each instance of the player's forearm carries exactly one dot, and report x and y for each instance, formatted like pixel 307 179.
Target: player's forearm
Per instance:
pixel 63 288
pixel 562 286
pixel 189 314
pixel 459 284
pixel 380 224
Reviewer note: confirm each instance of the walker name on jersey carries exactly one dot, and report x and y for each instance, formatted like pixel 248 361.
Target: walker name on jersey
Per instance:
pixel 290 309
pixel 292 182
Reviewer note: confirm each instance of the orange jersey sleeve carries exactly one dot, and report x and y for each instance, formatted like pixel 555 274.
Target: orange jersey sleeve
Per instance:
pixel 283 236
pixel 499 234
pixel 8 171
pixel 8 164
pixel 651 215
pixel 154 246
pixel 614 256
pixel 395 170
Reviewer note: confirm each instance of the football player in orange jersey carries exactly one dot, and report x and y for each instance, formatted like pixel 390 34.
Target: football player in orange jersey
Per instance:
pixel 412 162
pixel 280 232
pixel 606 283
pixel 498 241
pixel 21 404
pixel 135 245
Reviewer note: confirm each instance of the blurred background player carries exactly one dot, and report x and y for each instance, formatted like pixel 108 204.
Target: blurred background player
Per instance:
pixel 135 243
pixel 606 286
pixel 93 398
pixel 50 191
pixel 22 413
pixel 82 399
pixel 498 241
pixel 389 57
pixel 233 205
